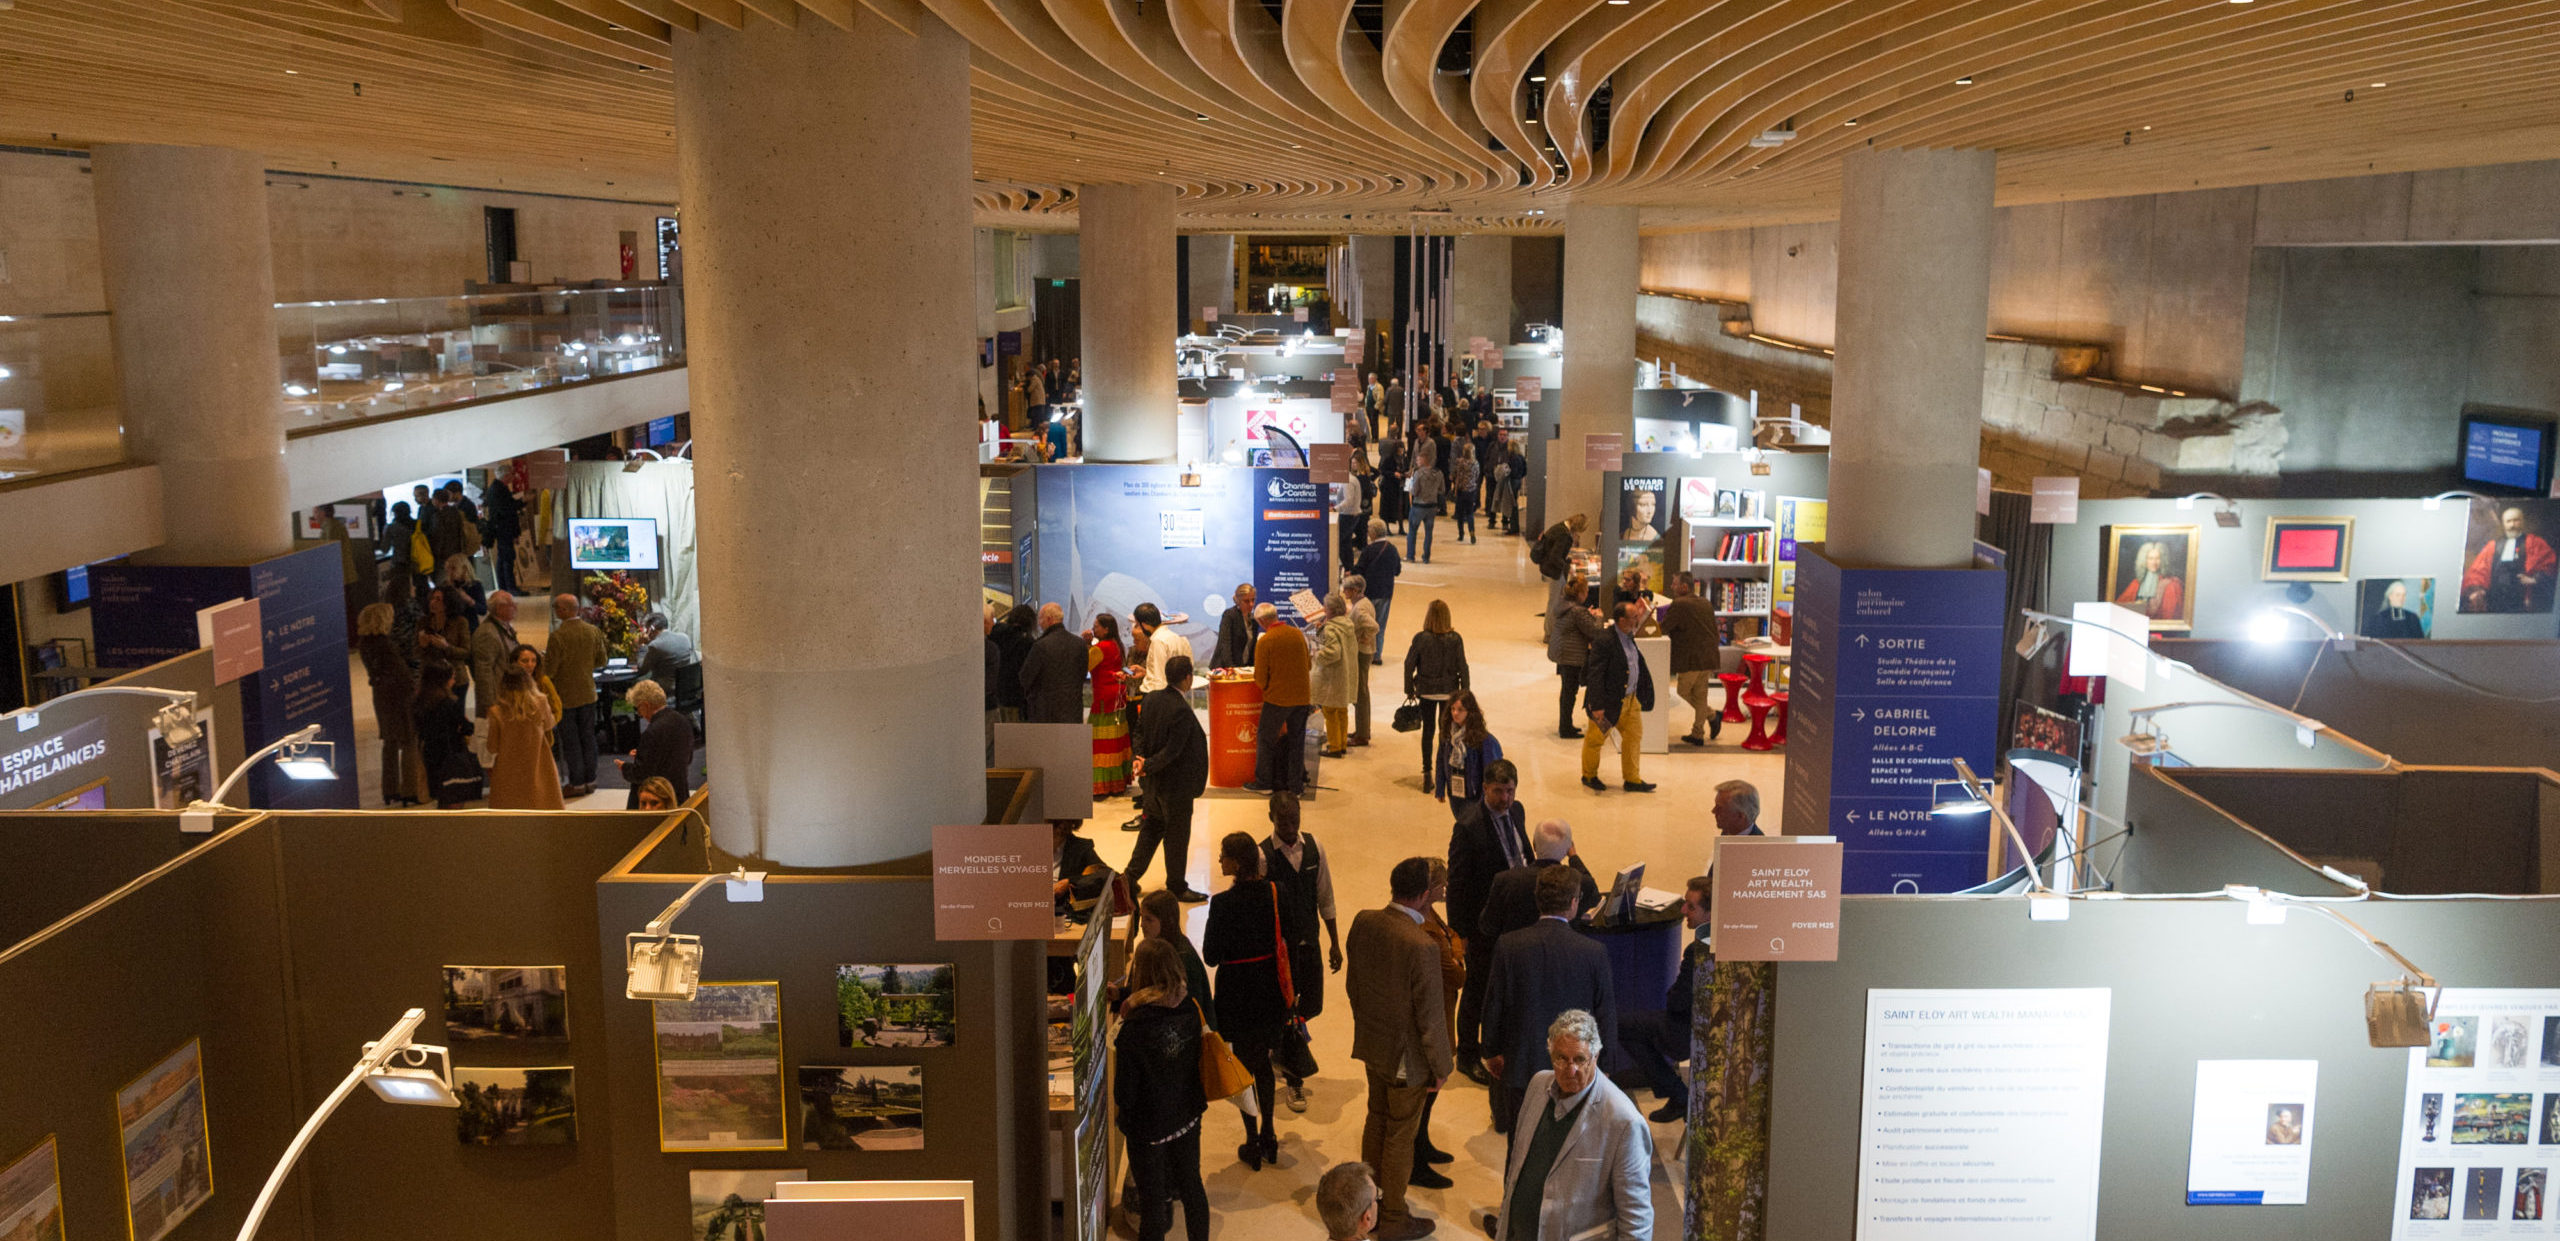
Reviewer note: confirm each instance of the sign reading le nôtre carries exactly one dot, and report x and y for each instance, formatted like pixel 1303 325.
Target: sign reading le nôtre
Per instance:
pixel 991 881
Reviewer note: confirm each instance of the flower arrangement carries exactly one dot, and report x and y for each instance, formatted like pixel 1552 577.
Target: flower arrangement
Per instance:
pixel 619 603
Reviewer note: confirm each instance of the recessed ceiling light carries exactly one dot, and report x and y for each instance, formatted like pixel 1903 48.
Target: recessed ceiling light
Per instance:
pixel 294 72
pixel 2380 85
pixel 1966 80
pixel 1537 77
pixel 2146 129
pixel 1851 121
pixel 1531 120
pixel 1199 116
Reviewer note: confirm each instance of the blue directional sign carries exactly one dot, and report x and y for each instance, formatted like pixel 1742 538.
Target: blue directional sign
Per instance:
pixel 1896 673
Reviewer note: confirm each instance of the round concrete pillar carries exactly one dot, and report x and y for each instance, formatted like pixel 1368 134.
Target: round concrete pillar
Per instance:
pixel 1130 322
pixel 1600 285
pixel 190 277
pixel 825 181
pixel 1906 390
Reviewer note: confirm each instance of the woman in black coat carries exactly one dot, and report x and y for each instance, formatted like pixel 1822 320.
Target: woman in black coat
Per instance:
pixel 444 737
pixel 1156 1086
pixel 1242 940
pixel 1435 669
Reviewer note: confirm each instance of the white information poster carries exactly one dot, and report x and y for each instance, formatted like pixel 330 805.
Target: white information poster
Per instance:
pixel 1981 1114
pixel 2251 1144
pixel 2480 1128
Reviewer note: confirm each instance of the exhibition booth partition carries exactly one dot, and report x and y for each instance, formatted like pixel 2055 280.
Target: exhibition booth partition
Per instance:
pixel 2419 702
pixel 1111 537
pixel 2168 1060
pixel 195 1008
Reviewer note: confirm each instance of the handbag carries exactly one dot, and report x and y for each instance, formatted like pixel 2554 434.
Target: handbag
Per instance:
pixel 1296 1054
pixel 1409 716
pixel 461 778
pixel 1221 1074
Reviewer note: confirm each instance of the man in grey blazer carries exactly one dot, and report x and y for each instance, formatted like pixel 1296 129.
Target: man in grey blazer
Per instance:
pixel 1400 1030
pixel 1581 1157
pixel 1540 970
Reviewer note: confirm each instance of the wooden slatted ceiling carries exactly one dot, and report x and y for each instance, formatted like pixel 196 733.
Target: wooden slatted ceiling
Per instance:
pixel 1300 121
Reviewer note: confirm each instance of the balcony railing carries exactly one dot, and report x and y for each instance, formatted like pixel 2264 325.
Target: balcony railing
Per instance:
pixel 381 357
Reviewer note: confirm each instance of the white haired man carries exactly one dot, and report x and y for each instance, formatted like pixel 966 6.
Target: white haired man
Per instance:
pixel 1581 1156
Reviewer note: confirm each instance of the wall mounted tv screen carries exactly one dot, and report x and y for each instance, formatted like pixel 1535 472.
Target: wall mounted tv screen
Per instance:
pixel 2508 451
pixel 613 543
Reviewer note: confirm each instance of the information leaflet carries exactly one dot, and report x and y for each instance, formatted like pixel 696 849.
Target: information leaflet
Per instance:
pixel 1981 1114
pixel 2480 1128
pixel 2251 1143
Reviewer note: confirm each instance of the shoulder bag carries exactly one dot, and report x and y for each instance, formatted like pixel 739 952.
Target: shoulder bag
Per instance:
pixel 1409 716
pixel 1296 1054
pixel 1222 1076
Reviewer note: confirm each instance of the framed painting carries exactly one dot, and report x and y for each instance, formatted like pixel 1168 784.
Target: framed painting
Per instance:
pixel 2152 570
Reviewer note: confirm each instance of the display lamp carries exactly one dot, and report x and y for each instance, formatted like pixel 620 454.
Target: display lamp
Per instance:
pixel 2306 731
pixel 1977 800
pixel 299 755
pixel 663 965
pixel 2227 517
pixel 398 1071
pixel 176 720
pixel 2275 624
pixel 2396 1013
pixel 2436 501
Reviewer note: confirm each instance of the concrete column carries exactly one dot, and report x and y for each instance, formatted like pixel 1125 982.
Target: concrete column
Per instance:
pixel 1213 274
pixel 1600 281
pixel 1483 279
pixel 1129 323
pixel 825 180
pixel 1906 391
pixel 182 241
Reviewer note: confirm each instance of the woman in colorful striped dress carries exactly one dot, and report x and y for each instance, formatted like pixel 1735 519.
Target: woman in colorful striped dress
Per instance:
pixel 1107 662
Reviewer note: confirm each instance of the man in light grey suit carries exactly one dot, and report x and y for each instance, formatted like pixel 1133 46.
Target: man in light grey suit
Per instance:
pixel 1581 1157
pixel 1400 1030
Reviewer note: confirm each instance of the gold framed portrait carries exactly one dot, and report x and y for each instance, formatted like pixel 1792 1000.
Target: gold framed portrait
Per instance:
pixel 2152 570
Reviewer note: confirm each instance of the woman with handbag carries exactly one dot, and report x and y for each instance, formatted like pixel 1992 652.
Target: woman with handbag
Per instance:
pixel 1467 747
pixel 1156 1087
pixel 1243 942
pixel 1435 667
pixel 1572 626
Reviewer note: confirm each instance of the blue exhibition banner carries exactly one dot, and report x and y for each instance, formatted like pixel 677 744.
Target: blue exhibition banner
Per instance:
pixel 1896 673
pixel 1114 536
pixel 144 614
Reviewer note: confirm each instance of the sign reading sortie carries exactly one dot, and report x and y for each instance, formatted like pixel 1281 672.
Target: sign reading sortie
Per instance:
pixel 992 881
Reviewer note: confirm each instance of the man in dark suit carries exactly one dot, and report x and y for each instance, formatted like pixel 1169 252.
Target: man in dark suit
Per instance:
pixel 1659 1040
pixel 1540 971
pixel 666 744
pixel 1512 902
pixel 1236 633
pixel 1487 841
pixel 1617 691
pixel 1399 1029
pixel 1053 672
pixel 1172 761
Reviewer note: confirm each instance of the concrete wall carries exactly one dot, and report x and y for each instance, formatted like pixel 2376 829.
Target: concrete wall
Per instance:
pixel 1537 281
pixel 333 238
pixel 1481 294
pixel 1213 273
pixel 2367 349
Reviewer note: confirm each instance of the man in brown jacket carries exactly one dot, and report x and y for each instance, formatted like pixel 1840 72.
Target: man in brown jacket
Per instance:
pixel 1400 1030
pixel 1697 655
pixel 1281 663
pixel 572 658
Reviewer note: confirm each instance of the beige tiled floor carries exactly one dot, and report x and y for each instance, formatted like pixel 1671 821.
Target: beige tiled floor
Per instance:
pixel 1371 811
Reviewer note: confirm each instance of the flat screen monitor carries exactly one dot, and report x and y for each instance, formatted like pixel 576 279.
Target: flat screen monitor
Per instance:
pixel 2507 451
pixel 91 796
pixel 613 543
pixel 71 588
pixel 662 430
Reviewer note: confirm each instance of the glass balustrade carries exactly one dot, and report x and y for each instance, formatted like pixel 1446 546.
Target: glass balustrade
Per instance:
pixel 57 394
pixel 372 358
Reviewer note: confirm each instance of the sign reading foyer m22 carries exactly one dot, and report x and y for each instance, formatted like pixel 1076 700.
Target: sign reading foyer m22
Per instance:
pixel 1896 674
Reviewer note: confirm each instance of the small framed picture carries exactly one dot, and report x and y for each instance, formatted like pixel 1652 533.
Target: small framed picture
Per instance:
pixel 2152 570
pixel 2308 549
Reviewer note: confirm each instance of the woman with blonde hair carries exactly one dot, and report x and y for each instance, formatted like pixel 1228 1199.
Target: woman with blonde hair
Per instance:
pixel 655 794
pixel 1572 626
pixel 522 775
pixel 395 695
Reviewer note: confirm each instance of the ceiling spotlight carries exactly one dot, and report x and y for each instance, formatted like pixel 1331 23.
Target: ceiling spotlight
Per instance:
pixel 1966 80
pixel 1851 122
pixel 1199 116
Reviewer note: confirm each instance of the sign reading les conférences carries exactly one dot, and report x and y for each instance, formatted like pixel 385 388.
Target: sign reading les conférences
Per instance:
pixel 1777 898
pixel 991 881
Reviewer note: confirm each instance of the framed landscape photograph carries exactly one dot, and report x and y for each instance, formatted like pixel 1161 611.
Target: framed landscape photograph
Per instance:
pixel 2308 549
pixel 516 1107
pixel 894 1005
pixel 489 1002
pixel 720 1069
pixel 875 1107
pixel 168 1159
pixel 728 1203
pixel 31 1195
pixel 2152 570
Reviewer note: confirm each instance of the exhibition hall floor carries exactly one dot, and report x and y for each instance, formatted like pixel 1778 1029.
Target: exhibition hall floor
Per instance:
pixel 1370 811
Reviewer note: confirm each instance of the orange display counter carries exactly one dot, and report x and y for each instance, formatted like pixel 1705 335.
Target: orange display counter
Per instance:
pixel 1235 719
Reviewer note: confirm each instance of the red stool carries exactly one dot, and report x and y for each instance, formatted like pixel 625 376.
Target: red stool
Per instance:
pixel 1780 737
pixel 1733 682
pixel 1759 738
pixel 1758 667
